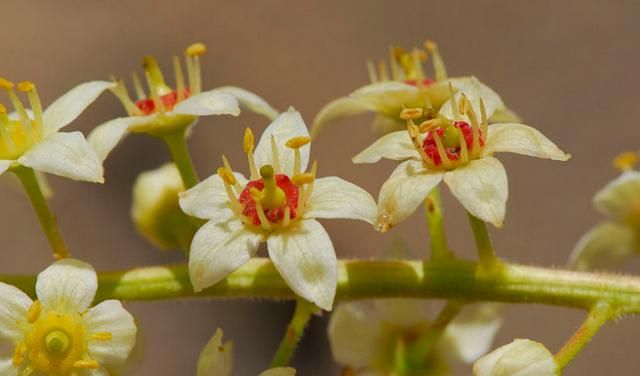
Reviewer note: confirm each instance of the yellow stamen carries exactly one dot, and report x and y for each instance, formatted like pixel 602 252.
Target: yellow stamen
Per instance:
pixel 454 105
pixel 287 216
pixel 411 113
pixel 382 69
pixel 371 69
pixel 34 99
pixel 34 312
pixel 229 181
pixel 414 134
pixel 393 64
pixel 257 196
pixel 625 161
pixel 430 125
pixel 137 85
pixel 441 151
pixel 274 154
pixel 121 92
pixel 464 153
pixel 25 120
pixel 177 72
pixel 19 354
pixel 152 69
pixel 86 364
pixel 248 141
pixel 196 49
pixel 154 92
pixel 485 121
pixel 5 84
pixel 297 142
pixel 303 178
pixel 227 176
pixel 3 109
pixel 26 86
pixel 102 336
pixel 418 56
pixel 475 126
pixel 303 197
pixel 440 71
pixel 463 105
pixel 273 197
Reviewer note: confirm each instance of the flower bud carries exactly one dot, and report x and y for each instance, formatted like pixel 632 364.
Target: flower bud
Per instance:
pixel 522 357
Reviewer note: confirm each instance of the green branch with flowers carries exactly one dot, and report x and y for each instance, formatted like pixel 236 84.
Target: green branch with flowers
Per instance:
pixel 439 129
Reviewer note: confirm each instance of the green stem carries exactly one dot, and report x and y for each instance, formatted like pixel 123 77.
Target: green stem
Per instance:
pixel 177 143
pixel 597 317
pixel 433 212
pixel 286 349
pixel 47 219
pixel 487 257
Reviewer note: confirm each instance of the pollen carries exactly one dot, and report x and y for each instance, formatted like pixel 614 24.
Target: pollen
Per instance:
pixel 26 86
pixel 34 312
pixel 625 161
pixel 196 49
pixel 297 142
pixel 248 141
pixel 411 113
pixel 302 179
pixel 227 176
pixel 6 84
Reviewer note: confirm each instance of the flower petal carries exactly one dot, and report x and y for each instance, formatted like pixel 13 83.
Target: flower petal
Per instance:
pixel 338 109
pixel 504 115
pixel 470 335
pixel 333 197
pixel 14 305
pixel 474 90
pixel 604 247
pixel 404 191
pixel 481 187
pixel 110 317
pixel 620 198
pixel 106 136
pixel 396 146
pixel 71 104
pixel 355 334
pixel 67 286
pixel 4 165
pixel 521 139
pixel 65 154
pixel 279 371
pixel 250 101
pixel 208 199
pixel 389 97
pixel 286 126
pixel 305 258
pixel 522 357
pixel 216 358
pixel 219 248
pixel 208 103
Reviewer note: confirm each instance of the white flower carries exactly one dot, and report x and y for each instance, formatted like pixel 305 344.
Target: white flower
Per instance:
pixel 278 206
pixel 166 108
pixel 522 357
pixel 457 146
pixel 408 86
pixel 216 359
pixel 59 334
pixel 32 138
pixel 368 336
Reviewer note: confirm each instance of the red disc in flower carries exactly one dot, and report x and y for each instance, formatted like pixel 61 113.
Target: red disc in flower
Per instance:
pixel 290 190
pixel 425 82
pixel 147 106
pixel 431 149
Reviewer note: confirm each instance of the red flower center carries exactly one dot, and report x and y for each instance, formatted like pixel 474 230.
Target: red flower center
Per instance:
pixel 453 153
pixel 148 106
pixel 290 190
pixel 425 82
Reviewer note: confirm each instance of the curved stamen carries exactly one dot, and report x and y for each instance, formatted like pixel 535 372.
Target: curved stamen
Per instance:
pixel 137 85
pixel 5 123
pixel 193 53
pixel 440 71
pixel 475 126
pixel 382 69
pixel 248 143
pixel 454 105
pixel 121 92
pixel 17 105
pixel 464 153
pixel 34 100
pixel 153 90
pixel 414 134
pixel 274 154
pixel 371 69
pixel 296 143
pixel 485 121
pixel 256 196
pixel 230 180
pixel 177 72
pixel 441 151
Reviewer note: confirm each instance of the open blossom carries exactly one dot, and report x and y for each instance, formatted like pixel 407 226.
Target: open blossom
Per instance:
pixel 522 357
pixel 407 85
pixel 278 205
pixel 32 138
pixel 216 359
pixel 374 338
pixel 164 108
pixel 456 146
pixel 59 334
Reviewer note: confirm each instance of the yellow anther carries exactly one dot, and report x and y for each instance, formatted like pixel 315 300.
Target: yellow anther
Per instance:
pixel 297 142
pixel 429 125
pixel 256 194
pixel 411 113
pixel 34 312
pixel 19 354
pixel 625 161
pixel 464 106
pixel 86 364
pixel 5 84
pixel 431 46
pixel 3 109
pixel 149 62
pixel 227 176
pixel 248 141
pixel 102 336
pixel 303 178
pixel 196 49
pixel 26 86
pixel 398 53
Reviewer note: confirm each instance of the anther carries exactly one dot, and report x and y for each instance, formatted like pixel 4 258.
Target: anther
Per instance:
pixel 297 142
pixel 151 67
pixel 248 141
pixel 227 176
pixel 430 125
pixel 196 49
pixel 463 105
pixel 34 312
pixel 303 178
pixel 19 354
pixel 26 86
pixel 102 336
pixel 86 364
pixel 411 113
pixel 625 161
pixel 6 84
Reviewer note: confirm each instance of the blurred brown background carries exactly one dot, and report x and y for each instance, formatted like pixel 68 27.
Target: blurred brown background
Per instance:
pixel 570 68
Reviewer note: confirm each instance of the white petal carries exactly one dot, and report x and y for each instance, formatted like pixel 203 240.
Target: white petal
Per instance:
pixel 279 371
pixel 216 358
pixel 383 124
pixel 71 104
pixel 250 101
pixel 389 97
pixel 604 247
pixel 338 109
pixel 355 334
pixel 470 335
pixel 67 286
pixel 522 357
pixel 110 317
pixel 333 197
pixel 474 90
pixel 106 136
pixel 208 199
pixel 218 249
pixel 404 191
pixel 14 305
pixel 504 115
pixel 286 126
pixel 521 139
pixel 4 165
pixel 305 258
pixel 65 154
pixel 208 103
pixel 396 146
pixel 620 198
pixel 481 187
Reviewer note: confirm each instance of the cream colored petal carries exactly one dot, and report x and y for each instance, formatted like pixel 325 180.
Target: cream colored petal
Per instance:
pixel 384 124
pixel 305 258
pixel 504 115
pixel 474 90
pixel 355 334
pixel 333 197
pixel 285 127
pixel 71 104
pixel 604 247
pixel 396 146
pixel 250 101
pixel 620 198
pixel 218 249
pixel 105 137
pixel 67 286
pixel 14 305
pixel 208 199
pixel 338 109
pixel 390 97
pixel 100 371
pixel 65 154
pixel 4 165
pixel 402 311
pixel 6 360
pixel 279 371
pixel 481 187
pixel 404 191
pixel 110 317
pixel 521 139
pixel 522 357
pixel 470 335
pixel 208 103
pixel 216 358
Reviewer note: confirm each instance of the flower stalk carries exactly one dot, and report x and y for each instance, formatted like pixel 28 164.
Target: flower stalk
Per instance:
pixel 177 143
pixel 487 257
pixel 435 222
pixel 295 330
